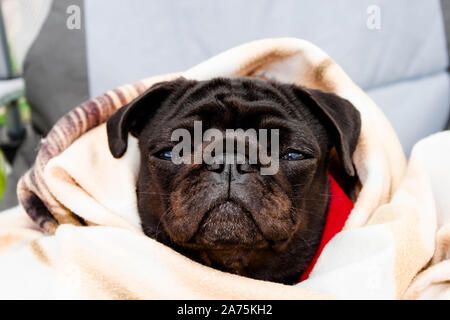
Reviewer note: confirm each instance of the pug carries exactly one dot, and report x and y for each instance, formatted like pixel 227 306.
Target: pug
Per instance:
pixel 228 215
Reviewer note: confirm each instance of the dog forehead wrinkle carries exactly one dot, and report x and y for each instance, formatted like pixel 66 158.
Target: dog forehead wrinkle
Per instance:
pixel 200 90
pixel 245 90
pixel 271 122
pixel 292 104
pixel 262 90
pixel 246 97
pixel 205 107
pixel 253 108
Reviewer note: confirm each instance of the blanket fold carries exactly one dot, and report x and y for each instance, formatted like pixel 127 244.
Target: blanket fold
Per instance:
pixel 86 240
pixel 339 210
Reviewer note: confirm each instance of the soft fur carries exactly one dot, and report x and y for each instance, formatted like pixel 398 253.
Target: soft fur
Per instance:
pixel 229 217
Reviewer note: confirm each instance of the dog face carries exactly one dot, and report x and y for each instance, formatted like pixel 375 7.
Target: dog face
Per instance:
pixel 229 215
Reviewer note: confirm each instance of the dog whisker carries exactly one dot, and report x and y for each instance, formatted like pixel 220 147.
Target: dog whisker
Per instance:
pixel 160 221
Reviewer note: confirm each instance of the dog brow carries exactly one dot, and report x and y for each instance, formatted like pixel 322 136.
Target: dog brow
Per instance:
pixel 206 107
pixel 255 107
pixel 275 123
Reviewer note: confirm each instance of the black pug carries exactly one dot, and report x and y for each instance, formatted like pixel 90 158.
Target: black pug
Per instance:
pixel 232 217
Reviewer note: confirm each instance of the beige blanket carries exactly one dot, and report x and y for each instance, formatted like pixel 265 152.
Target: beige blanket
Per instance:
pixel 90 245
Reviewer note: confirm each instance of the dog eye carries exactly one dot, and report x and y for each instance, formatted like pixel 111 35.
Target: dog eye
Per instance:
pixel 293 156
pixel 165 155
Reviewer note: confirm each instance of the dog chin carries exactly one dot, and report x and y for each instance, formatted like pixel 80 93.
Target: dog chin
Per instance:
pixel 228 226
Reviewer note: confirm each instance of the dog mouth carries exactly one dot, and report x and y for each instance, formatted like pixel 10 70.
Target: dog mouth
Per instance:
pixel 228 225
pixel 237 219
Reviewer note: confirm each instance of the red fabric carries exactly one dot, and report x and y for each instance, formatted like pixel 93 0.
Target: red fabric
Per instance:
pixel 338 211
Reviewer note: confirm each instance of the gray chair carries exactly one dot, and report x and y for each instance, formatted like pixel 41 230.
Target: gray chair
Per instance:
pixel 11 89
pixel 403 65
pixel 12 133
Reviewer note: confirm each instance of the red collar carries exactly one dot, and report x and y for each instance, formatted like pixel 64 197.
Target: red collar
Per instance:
pixel 338 211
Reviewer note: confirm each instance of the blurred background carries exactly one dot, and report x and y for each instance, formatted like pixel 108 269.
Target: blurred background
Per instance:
pixel 56 54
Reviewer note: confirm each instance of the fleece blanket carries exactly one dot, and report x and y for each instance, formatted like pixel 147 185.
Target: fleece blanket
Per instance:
pixel 77 232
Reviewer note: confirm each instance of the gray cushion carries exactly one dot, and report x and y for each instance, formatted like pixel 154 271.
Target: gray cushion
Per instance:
pixel 142 38
pixel 416 107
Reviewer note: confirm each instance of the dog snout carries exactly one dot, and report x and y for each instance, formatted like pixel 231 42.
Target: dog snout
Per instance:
pixel 230 172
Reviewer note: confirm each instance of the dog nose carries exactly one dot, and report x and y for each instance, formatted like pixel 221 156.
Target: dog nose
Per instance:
pixel 234 169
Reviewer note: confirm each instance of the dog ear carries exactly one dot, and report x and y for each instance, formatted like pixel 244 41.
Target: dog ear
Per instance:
pixel 343 119
pixel 132 117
